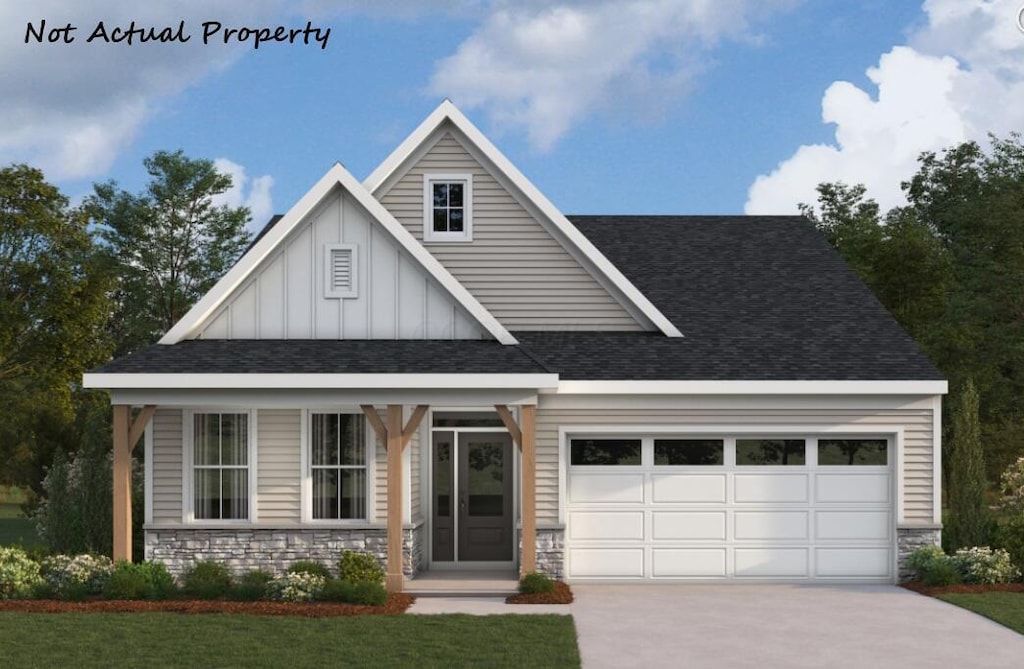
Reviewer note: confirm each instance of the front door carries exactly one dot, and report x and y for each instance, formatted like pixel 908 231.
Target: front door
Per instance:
pixel 472 497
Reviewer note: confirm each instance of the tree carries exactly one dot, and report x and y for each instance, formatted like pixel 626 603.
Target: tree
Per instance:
pixel 54 304
pixel 969 522
pixel 170 244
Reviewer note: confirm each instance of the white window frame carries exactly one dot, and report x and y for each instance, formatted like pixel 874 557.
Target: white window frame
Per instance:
pixel 306 445
pixel 188 471
pixel 429 235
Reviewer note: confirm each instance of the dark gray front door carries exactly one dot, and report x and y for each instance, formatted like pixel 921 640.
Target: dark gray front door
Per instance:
pixel 472 510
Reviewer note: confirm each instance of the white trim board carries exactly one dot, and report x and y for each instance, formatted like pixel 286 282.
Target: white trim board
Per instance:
pixel 447 111
pixel 320 381
pixel 336 177
pixel 751 388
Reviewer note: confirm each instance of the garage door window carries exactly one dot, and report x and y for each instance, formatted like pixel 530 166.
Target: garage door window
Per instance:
pixel 853 452
pixel 689 452
pixel 615 452
pixel 771 452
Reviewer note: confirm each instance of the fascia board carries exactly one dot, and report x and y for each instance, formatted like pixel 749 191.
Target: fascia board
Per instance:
pixel 448 111
pixel 319 381
pixel 753 387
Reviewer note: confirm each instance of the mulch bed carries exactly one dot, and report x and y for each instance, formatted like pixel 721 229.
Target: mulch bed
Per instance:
pixel 932 590
pixel 397 603
pixel 560 595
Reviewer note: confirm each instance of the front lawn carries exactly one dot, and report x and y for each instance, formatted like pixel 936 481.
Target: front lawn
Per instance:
pixel 1006 608
pixel 174 640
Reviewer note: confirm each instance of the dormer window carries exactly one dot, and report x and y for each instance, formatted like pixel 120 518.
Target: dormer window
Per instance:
pixel 447 208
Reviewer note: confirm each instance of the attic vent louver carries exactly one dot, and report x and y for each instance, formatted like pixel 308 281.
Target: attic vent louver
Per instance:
pixel 340 270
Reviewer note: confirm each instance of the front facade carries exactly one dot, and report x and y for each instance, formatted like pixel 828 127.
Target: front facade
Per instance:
pixel 438 367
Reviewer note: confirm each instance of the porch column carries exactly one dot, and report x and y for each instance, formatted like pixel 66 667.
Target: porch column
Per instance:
pixel 126 435
pixel 525 436
pixel 395 438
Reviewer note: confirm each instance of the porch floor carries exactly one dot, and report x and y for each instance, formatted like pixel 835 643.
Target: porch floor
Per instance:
pixel 463 583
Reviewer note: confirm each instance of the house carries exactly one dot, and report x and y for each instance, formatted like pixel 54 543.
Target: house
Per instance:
pixel 438 367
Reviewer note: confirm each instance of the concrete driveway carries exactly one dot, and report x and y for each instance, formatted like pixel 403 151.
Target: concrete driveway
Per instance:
pixel 769 626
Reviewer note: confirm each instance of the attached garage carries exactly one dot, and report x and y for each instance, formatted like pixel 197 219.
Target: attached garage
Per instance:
pixel 734 507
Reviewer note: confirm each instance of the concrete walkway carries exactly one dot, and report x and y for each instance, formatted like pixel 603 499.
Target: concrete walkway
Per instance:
pixel 766 627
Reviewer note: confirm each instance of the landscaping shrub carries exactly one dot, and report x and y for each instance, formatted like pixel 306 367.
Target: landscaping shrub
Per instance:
pixel 75 577
pixel 129 581
pixel 534 583
pixel 982 565
pixel 933 567
pixel 19 574
pixel 310 567
pixel 360 568
pixel 364 592
pixel 296 587
pixel 970 522
pixel 207 579
pixel 252 586
pixel 164 586
pixel 1011 532
pixel 1011 538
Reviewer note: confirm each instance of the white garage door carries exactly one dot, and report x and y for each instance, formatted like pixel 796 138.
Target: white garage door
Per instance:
pixel 760 507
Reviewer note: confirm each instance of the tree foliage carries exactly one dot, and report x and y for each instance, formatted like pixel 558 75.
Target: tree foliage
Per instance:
pixel 54 303
pixel 969 523
pixel 170 243
pixel 950 267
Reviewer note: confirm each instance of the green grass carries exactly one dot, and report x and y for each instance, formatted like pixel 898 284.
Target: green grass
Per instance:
pixel 1006 608
pixel 175 640
pixel 11 495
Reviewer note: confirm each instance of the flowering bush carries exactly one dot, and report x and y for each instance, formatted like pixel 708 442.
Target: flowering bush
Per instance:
pixel 1011 485
pixel 19 574
pixel 296 587
pixel 983 565
pixel 74 576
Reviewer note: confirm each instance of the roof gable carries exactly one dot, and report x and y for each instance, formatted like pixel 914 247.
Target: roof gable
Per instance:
pixel 209 312
pixel 563 232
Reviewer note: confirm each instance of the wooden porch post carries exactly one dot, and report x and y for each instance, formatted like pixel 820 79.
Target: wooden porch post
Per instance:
pixel 126 435
pixel 395 438
pixel 525 437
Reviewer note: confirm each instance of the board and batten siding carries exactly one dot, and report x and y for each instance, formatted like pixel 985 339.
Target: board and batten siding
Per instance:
pixel 166 465
pixel 916 424
pixel 284 298
pixel 278 465
pixel 513 266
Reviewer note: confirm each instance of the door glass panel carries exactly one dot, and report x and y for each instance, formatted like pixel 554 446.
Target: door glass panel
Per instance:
pixel 852 452
pixel 467 419
pixel 689 452
pixel 442 475
pixel 770 452
pixel 485 479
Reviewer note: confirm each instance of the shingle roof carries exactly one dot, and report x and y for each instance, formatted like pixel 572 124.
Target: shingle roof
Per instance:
pixel 756 298
pixel 321 356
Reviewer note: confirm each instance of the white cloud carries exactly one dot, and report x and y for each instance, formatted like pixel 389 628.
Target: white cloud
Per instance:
pixel 71 108
pixel 545 65
pixel 959 78
pixel 246 192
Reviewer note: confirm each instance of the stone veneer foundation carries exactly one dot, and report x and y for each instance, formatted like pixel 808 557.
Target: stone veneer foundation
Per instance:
pixel 911 537
pixel 550 551
pixel 274 550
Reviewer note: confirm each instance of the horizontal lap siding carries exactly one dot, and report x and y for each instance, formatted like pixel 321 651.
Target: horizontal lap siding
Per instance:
pixel 513 266
pixel 916 424
pixel 167 453
pixel 277 465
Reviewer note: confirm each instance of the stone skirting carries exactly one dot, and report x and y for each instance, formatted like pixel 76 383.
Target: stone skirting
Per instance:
pixel 909 538
pixel 274 550
pixel 550 551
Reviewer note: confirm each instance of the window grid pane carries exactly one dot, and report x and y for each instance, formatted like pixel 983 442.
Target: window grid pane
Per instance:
pixel 852 452
pixel 789 452
pixel 689 452
pixel 221 472
pixel 615 452
pixel 338 466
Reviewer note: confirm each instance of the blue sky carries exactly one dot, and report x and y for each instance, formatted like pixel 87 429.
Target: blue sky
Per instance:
pixel 608 106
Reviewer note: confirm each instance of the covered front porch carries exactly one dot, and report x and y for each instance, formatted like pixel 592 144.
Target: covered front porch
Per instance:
pixel 396 417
